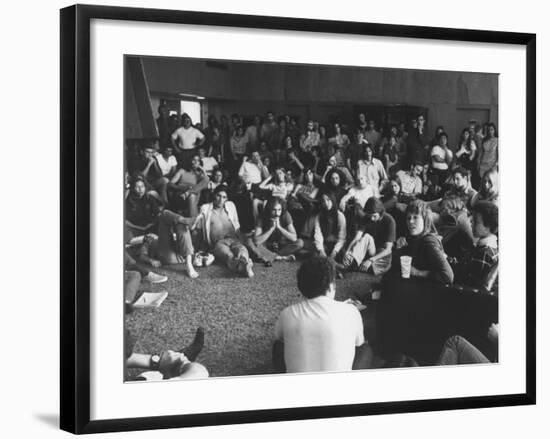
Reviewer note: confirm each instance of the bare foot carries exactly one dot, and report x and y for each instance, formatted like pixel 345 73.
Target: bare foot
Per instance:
pixel 249 272
pixel 191 272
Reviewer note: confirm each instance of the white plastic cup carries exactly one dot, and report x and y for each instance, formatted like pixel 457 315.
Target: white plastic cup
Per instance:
pixel 406 262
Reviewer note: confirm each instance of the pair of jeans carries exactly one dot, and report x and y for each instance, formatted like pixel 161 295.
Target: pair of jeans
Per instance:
pixel 174 239
pixel 458 350
pixel 264 254
pixel 232 253
pixel 366 248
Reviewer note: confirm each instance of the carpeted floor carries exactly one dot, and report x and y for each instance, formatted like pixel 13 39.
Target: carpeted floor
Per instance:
pixel 238 314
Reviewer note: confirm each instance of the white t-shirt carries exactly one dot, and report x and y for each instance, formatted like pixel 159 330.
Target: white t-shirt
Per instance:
pixel 358 195
pixel 187 137
pixel 251 173
pixel 438 151
pixel 208 164
pixel 166 165
pixel 319 334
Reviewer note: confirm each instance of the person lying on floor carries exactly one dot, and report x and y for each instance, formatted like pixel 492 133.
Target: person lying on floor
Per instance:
pixel 371 248
pixel 219 223
pixel 275 237
pixel 423 245
pixel 319 333
pixel 168 365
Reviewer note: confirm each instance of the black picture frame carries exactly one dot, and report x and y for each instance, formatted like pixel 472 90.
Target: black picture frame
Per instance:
pixel 75 216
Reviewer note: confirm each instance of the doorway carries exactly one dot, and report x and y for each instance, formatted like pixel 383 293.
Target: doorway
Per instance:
pixel 464 115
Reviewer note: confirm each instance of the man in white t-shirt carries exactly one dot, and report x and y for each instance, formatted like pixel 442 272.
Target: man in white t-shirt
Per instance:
pixel 167 162
pixel 319 333
pixel 208 163
pixel 186 138
pixel 253 171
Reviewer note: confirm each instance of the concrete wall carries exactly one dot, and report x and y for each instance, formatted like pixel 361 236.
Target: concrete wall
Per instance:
pixel 317 90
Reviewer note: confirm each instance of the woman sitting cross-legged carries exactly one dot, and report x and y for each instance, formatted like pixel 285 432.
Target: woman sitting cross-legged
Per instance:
pixel 423 245
pixel 329 230
pixel 372 245
pixel 275 238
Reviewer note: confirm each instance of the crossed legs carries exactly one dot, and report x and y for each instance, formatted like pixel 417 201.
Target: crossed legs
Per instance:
pixel 234 255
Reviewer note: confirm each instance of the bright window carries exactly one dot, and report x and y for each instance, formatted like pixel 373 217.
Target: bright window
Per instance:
pixel 193 109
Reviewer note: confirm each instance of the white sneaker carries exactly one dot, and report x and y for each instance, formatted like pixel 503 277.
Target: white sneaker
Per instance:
pixel 155 278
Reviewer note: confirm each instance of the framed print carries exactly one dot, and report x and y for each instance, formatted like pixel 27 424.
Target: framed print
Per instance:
pixel 268 218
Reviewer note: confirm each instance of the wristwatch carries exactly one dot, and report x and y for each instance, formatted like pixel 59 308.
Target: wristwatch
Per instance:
pixel 154 362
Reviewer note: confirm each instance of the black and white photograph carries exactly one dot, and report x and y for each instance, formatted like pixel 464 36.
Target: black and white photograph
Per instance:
pixel 303 218
pixel 275 219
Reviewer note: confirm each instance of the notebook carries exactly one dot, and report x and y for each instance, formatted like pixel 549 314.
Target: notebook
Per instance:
pixel 150 300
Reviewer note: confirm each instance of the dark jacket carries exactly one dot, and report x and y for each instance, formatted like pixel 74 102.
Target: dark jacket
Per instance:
pixel 456 232
pixel 427 254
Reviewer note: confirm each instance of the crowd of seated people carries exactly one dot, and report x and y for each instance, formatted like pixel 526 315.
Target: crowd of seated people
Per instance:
pixel 355 193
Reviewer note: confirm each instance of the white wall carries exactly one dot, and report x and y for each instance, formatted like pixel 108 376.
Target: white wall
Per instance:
pixel 29 322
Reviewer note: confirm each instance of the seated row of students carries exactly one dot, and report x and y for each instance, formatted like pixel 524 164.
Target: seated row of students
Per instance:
pixel 348 172
pixel 434 241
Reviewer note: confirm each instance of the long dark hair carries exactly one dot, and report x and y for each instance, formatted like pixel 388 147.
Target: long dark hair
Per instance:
pixel 468 140
pixel 328 179
pixel 489 125
pixel 269 205
pixel 338 191
pixel 328 218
